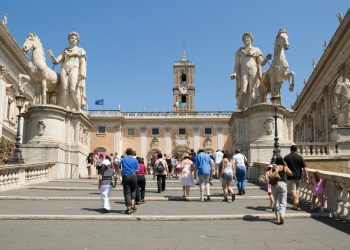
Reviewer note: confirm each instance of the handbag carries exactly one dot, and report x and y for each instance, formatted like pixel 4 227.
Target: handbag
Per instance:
pixel 274 177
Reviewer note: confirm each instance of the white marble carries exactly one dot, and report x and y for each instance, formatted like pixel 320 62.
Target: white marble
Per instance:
pixel 248 72
pixel 52 133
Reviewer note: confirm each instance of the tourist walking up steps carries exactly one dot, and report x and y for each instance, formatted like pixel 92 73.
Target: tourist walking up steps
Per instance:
pixel 226 172
pixel 129 179
pixel 90 163
pixel 186 176
pixel 279 189
pixel 296 164
pixel 141 182
pixel 106 178
pixel 160 170
pixel 269 187
pixel 204 169
pixel 241 163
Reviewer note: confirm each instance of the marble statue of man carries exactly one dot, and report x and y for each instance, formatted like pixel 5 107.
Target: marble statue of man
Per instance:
pixel 342 100
pixel 247 72
pixel 73 73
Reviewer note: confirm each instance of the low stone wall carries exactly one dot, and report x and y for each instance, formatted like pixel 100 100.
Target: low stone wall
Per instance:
pixel 337 192
pixel 17 176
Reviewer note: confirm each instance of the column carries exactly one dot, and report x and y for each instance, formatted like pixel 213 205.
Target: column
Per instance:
pixel 196 139
pixel 167 141
pixel 314 119
pixel 326 110
pixel 3 72
pixel 143 141
pixel 118 140
pixel 220 138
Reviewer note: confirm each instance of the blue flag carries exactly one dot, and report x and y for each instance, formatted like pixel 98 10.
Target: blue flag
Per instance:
pixel 99 102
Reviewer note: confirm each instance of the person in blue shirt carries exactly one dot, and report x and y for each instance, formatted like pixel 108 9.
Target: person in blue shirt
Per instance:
pixel 204 168
pixel 129 179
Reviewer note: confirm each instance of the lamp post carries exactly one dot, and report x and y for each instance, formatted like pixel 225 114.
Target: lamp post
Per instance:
pixel 17 153
pixel 276 150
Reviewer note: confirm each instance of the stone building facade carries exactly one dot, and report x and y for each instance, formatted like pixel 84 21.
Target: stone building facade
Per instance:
pixel 172 133
pixel 321 123
pixel 317 115
pixel 12 63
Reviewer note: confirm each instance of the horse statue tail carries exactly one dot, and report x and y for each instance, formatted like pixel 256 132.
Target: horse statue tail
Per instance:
pixel 291 81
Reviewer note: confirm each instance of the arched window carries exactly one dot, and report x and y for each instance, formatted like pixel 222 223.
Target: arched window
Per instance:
pixel 183 78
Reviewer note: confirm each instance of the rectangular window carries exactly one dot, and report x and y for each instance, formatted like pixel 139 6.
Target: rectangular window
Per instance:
pixel 101 130
pixel 207 131
pixel 182 131
pixel 155 131
pixel 131 132
pixel 9 104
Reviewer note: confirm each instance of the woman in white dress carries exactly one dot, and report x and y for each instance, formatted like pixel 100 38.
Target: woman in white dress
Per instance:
pixel 186 176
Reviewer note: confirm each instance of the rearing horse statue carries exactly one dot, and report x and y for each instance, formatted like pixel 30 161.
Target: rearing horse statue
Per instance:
pixel 273 78
pixel 48 78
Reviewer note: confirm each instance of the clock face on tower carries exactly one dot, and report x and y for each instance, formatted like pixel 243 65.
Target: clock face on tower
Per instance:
pixel 183 89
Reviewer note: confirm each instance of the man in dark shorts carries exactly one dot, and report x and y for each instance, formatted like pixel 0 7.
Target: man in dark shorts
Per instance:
pixel 296 164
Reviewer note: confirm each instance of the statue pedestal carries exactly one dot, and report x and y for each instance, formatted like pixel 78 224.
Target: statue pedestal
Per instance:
pixel 52 133
pixel 254 131
pixel 340 135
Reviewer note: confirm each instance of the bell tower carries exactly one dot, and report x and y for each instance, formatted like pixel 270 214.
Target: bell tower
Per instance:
pixel 183 88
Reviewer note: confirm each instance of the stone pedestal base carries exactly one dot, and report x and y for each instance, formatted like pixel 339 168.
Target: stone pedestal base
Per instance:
pixel 52 133
pixel 254 131
pixel 340 135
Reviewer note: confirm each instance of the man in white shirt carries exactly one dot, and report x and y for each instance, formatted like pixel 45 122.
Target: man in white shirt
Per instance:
pixel 241 163
pixel 218 156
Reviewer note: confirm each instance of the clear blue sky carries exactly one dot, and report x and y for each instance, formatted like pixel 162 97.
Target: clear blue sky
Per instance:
pixel 132 45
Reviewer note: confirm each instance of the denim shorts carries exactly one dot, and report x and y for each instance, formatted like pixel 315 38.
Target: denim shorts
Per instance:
pixel 226 176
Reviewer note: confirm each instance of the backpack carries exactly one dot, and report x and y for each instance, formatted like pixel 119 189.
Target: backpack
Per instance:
pixel 160 167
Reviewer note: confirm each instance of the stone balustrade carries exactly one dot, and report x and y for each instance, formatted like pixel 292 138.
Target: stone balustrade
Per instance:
pixel 220 114
pixel 317 148
pixel 337 191
pixel 17 176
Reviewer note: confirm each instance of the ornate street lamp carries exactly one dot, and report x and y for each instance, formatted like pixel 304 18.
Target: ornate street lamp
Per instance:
pixel 17 153
pixel 276 150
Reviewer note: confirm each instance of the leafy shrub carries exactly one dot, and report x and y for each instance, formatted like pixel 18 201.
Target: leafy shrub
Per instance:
pixel 6 149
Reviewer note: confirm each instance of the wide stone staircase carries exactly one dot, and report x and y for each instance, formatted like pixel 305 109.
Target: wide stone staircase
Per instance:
pixel 80 200
pixel 66 214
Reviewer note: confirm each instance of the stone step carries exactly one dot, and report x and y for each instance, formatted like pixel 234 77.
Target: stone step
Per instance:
pixel 251 217
pixel 119 188
pixel 121 198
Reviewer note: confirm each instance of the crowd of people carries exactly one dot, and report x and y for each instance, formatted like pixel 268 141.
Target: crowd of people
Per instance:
pixel 199 169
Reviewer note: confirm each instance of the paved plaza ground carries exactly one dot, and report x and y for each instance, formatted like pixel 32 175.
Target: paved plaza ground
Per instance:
pixel 66 215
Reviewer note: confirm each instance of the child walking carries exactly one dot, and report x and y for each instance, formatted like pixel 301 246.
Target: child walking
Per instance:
pixel 318 189
pixel 269 187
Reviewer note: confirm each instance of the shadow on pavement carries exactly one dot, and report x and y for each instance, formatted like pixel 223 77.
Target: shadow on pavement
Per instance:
pixel 99 210
pixel 338 224
pixel 259 208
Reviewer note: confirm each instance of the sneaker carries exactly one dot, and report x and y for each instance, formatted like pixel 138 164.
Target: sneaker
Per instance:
pixel 243 191
pixel 225 199
pixel 281 221
pixel 133 208
pixel 128 211
pixel 104 210
pixel 208 197
pixel 233 197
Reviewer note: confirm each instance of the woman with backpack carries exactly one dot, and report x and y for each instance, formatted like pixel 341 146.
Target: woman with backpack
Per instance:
pixel 160 170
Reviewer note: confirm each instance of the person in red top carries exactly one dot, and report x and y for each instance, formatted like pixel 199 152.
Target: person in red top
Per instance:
pixel 141 182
